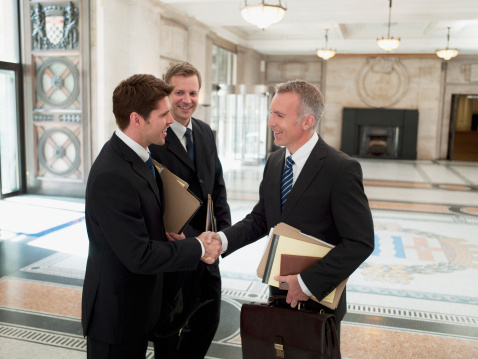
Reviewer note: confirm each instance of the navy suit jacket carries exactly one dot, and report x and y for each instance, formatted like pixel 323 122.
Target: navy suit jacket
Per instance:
pixel 128 254
pixel 327 201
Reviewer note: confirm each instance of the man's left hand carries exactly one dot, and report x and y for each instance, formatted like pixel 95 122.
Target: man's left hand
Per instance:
pixel 295 293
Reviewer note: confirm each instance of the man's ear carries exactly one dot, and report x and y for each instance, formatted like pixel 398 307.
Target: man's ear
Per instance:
pixel 135 119
pixel 308 122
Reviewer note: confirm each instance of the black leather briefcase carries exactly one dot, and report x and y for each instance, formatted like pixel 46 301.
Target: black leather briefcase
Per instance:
pixel 271 332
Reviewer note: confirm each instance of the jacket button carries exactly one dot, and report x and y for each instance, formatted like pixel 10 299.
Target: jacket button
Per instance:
pixel 201 181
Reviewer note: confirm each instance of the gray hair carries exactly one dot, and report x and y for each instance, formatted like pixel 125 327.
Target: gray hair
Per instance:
pixel 311 99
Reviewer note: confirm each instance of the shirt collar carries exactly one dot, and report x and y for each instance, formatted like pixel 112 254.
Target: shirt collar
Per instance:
pixel 135 146
pixel 302 154
pixel 179 129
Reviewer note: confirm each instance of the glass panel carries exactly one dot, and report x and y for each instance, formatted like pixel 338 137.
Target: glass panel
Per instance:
pixel 9 149
pixel 9 31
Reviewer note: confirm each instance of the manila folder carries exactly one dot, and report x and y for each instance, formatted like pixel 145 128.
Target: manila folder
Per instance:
pixel 180 204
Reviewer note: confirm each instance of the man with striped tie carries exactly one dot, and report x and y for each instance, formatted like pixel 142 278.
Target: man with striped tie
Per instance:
pixel 311 186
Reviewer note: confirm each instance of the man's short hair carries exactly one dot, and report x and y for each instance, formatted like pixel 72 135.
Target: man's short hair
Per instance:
pixel 182 69
pixel 311 99
pixel 139 93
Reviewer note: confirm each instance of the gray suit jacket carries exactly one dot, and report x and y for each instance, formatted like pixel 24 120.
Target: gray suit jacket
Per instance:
pixel 327 201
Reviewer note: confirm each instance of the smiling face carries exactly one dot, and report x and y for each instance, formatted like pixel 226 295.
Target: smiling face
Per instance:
pixel 284 122
pixel 155 126
pixel 184 98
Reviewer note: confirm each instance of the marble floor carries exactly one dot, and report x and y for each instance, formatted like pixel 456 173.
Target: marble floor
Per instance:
pixel 416 296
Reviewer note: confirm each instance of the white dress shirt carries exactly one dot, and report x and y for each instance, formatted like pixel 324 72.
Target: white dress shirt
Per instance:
pixel 179 130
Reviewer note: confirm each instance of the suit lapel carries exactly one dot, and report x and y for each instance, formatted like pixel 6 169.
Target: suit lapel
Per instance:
pixel 137 164
pixel 276 168
pixel 174 146
pixel 308 174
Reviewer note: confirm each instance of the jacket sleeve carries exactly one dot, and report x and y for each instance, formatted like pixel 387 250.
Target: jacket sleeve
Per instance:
pixel 353 220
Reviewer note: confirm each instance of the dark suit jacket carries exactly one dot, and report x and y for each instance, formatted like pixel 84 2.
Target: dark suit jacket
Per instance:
pixel 127 256
pixel 327 201
pixel 203 179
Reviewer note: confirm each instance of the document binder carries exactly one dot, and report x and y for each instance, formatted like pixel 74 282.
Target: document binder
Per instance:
pixel 286 240
pixel 180 203
pixel 210 217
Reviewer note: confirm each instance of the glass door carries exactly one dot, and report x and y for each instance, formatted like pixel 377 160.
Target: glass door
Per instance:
pixel 10 155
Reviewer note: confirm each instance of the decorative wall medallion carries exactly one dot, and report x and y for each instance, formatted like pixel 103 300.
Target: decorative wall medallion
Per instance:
pixel 58 151
pixel 382 82
pixel 57 82
pixel 54 27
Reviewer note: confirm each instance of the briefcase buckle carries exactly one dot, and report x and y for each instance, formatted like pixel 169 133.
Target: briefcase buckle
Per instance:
pixel 279 350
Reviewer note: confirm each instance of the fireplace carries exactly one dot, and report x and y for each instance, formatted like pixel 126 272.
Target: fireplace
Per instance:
pixel 380 133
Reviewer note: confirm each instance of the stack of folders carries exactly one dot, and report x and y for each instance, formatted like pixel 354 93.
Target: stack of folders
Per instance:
pixel 290 252
pixel 180 203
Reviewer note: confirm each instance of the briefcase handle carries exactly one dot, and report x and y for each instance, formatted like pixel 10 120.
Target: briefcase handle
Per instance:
pixel 275 300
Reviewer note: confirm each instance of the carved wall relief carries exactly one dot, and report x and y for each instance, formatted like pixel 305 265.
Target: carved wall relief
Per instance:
pixel 54 26
pixel 382 82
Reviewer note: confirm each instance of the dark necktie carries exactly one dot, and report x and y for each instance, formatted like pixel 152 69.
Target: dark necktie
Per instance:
pixel 150 164
pixel 287 178
pixel 189 144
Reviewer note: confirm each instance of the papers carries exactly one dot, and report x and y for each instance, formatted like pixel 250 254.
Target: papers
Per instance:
pixel 286 240
pixel 180 204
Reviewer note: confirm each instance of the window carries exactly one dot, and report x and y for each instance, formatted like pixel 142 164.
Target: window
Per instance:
pixel 11 118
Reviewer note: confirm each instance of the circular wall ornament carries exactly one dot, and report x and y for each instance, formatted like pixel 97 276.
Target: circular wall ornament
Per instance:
pixel 57 82
pixel 382 82
pixel 59 151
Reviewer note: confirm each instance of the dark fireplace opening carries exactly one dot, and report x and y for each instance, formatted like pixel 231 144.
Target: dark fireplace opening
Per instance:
pixel 380 133
pixel 378 141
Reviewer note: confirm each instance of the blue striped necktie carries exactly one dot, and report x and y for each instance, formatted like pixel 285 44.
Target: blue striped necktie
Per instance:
pixel 287 178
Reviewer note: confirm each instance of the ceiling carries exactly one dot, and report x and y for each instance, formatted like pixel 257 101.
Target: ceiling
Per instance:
pixel 354 25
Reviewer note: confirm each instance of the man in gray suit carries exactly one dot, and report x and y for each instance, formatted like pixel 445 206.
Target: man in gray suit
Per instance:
pixel 128 249
pixel 327 198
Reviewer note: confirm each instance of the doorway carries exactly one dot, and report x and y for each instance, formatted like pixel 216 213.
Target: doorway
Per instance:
pixel 463 134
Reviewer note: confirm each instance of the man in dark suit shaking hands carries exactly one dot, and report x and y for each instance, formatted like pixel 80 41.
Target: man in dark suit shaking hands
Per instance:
pixel 190 153
pixel 326 199
pixel 128 249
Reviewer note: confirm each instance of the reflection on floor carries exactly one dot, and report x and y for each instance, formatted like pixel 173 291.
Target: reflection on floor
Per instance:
pixel 415 297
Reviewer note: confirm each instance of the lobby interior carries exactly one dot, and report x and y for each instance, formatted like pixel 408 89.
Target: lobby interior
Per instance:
pixel 409 117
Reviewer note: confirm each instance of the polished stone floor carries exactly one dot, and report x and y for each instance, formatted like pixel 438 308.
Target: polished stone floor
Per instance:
pixel 415 297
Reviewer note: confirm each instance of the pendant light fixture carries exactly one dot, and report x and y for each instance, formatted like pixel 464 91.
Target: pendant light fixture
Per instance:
pixel 447 53
pixel 389 43
pixel 326 53
pixel 263 14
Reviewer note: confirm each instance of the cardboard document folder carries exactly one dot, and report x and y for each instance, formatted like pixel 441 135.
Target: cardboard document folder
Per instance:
pixel 180 203
pixel 210 218
pixel 299 250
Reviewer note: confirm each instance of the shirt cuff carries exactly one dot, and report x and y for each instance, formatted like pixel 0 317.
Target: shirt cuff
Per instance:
pixel 224 241
pixel 303 286
pixel 203 250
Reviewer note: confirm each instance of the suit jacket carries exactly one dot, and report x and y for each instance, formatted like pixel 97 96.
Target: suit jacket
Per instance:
pixel 327 201
pixel 205 177
pixel 128 253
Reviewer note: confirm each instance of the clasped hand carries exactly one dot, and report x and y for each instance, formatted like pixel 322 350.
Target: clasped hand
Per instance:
pixel 213 246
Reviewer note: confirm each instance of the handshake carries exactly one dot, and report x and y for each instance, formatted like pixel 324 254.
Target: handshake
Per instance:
pixel 211 241
pixel 213 246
